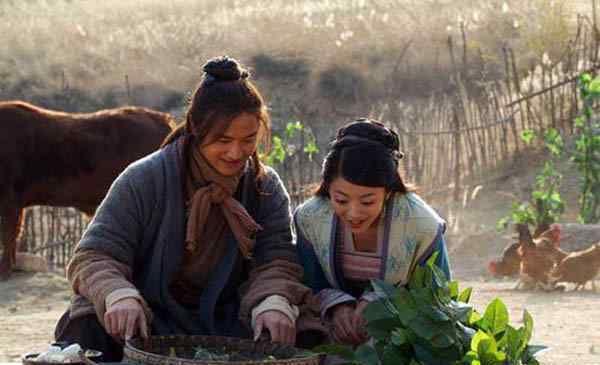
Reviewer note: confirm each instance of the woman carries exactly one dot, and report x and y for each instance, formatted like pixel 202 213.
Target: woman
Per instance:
pixel 193 239
pixel 363 223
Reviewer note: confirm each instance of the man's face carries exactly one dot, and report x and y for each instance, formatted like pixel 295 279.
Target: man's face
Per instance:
pixel 227 151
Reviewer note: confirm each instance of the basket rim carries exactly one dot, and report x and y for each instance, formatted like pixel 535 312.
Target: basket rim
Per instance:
pixel 130 351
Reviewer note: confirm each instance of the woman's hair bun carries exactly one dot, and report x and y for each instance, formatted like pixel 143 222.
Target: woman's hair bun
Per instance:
pixel 367 129
pixel 224 69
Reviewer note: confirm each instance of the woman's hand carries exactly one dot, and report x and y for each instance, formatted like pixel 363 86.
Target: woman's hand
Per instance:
pixel 125 318
pixel 349 324
pixel 280 327
pixel 359 322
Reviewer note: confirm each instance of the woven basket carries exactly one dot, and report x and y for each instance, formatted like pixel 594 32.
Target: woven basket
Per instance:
pixel 156 351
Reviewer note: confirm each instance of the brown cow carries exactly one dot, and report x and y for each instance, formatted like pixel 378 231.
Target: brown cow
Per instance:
pixel 62 159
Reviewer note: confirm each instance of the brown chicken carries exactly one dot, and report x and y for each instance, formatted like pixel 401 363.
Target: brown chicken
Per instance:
pixel 552 234
pixel 578 267
pixel 510 262
pixel 538 257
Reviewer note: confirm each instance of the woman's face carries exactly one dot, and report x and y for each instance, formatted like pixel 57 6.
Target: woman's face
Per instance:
pixel 227 151
pixel 357 206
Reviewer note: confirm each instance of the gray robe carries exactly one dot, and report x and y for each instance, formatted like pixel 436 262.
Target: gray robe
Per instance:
pixel 142 222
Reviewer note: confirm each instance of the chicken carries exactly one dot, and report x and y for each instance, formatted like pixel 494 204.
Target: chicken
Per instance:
pixel 553 234
pixel 509 263
pixel 578 267
pixel 538 257
pixel 547 243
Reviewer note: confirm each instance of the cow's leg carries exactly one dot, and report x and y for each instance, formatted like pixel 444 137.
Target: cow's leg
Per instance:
pixel 18 230
pixel 593 284
pixel 11 221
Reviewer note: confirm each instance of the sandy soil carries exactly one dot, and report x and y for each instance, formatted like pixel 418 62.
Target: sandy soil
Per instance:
pixel 569 322
pixel 30 305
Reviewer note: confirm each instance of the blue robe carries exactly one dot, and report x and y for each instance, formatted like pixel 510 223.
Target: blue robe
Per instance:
pixel 412 232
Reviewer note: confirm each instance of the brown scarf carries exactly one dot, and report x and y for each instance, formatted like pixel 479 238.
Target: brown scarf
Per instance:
pixel 211 202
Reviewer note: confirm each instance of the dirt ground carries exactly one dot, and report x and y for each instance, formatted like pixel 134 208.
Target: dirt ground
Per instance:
pixel 30 305
pixel 568 323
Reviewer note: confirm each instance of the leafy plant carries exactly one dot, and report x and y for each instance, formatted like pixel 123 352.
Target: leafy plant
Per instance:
pixel 587 151
pixel 286 145
pixel 431 322
pixel 545 204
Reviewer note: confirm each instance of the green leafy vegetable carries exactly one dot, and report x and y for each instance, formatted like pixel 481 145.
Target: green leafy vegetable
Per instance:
pixel 430 322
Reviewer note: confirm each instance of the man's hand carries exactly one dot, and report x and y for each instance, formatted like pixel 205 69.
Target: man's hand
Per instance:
pixel 280 327
pixel 125 318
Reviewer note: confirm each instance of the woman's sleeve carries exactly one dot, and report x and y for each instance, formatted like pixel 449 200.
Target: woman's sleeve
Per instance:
pixel 314 277
pixel 439 245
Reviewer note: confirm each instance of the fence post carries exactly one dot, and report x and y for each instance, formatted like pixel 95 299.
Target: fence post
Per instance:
pixel 128 89
pixel 457 157
pixel 513 123
pixel 595 30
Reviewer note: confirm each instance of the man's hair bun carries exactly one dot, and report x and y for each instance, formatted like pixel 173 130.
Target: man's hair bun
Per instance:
pixel 224 69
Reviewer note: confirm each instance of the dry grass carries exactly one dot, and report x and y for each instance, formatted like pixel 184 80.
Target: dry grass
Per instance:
pixel 75 54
